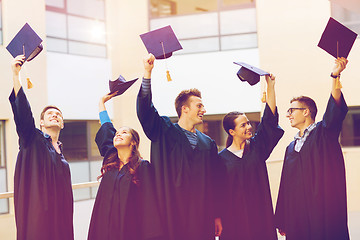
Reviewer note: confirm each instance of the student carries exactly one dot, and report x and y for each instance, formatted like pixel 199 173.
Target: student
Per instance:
pixel 125 206
pixel 42 184
pixel 312 196
pixel 249 212
pixel 185 162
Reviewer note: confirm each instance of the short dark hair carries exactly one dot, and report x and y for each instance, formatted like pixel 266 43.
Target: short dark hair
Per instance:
pixel 183 97
pixel 47 108
pixel 309 103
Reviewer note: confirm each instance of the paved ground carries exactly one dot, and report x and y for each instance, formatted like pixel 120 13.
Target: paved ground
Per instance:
pixel 83 211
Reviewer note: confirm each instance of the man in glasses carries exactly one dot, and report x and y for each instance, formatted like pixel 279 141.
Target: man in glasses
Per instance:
pixel 312 195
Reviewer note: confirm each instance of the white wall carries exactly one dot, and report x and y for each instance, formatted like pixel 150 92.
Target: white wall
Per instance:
pixel 76 83
pixel 214 74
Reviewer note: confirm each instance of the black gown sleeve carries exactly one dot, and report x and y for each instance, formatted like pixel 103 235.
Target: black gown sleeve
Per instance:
pixel 268 133
pixel 334 115
pixel 104 138
pixel 151 122
pixel 24 121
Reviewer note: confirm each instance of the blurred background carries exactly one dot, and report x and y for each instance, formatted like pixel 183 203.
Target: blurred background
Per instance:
pixel 88 42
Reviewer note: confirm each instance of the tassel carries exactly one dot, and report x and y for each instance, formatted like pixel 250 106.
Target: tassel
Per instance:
pixel 29 83
pixel 168 76
pixel 263 99
pixel 338 83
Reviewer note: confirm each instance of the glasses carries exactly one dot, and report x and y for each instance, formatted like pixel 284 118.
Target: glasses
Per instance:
pixel 291 110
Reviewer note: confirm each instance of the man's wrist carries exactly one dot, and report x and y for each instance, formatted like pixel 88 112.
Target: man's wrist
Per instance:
pixel 335 75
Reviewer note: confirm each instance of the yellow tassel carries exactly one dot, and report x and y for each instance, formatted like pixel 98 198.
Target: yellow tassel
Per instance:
pixel 29 83
pixel 338 83
pixel 263 99
pixel 168 76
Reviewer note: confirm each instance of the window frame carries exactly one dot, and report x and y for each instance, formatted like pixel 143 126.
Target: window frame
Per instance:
pixel 352 110
pixel 219 36
pixel 3 157
pixel 336 7
pixel 67 39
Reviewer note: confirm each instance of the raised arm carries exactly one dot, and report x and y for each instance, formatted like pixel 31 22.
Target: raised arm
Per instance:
pixel 25 124
pixel 104 137
pixel 16 67
pixel 271 100
pixel 340 65
pixel 149 118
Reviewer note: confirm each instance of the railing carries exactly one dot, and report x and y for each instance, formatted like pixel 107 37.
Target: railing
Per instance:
pixel 74 186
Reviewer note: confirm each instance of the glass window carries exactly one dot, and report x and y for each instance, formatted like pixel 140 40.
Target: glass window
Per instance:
pixel 160 8
pixel 76 27
pixel 350 133
pixel 56 3
pixel 81 151
pixel 4 203
pixel 207 25
pixel 56 25
pixel 346 17
pixel 74 139
pixel 2 145
pixel 94 8
pixel 86 30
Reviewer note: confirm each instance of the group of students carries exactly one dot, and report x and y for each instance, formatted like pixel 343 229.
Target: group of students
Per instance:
pixel 189 190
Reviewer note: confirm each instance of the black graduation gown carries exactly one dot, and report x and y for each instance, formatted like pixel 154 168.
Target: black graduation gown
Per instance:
pixel 42 183
pixel 312 196
pixel 122 209
pixel 249 212
pixel 185 178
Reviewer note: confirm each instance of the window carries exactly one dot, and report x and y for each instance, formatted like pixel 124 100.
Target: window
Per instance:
pixel 76 27
pixel 80 150
pixel 350 133
pixel 346 17
pixel 1 40
pixel 4 203
pixel 207 25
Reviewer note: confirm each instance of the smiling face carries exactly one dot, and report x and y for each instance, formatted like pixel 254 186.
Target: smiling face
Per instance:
pixel 52 118
pixel 242 130
pixel 123 138
pixel 194 110
pixel 297 114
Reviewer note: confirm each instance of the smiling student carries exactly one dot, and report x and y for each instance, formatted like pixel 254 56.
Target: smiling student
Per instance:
pixel 248 207
pixel 185 162
pixel 125 206
pixel 312 196
pixel 42 183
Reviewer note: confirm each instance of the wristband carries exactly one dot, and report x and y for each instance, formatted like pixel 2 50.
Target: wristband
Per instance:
pixel 331 75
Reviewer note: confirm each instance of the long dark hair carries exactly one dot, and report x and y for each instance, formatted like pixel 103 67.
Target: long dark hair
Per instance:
pixel 113 161
pixel 229 123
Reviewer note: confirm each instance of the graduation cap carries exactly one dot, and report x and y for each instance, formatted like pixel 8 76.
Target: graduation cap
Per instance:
pixel 120 85
pixel 161 43
pixel 337 40
pixel 26 42
pixel 250 73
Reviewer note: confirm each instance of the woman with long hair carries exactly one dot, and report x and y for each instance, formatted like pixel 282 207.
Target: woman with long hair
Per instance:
pixel 125 206
pixel 248 207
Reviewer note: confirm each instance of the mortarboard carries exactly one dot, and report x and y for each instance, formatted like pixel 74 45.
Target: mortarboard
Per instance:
pixel 337 40
pixel 161 42
pixel 120 85
pixel 250 73
pixel 26 42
